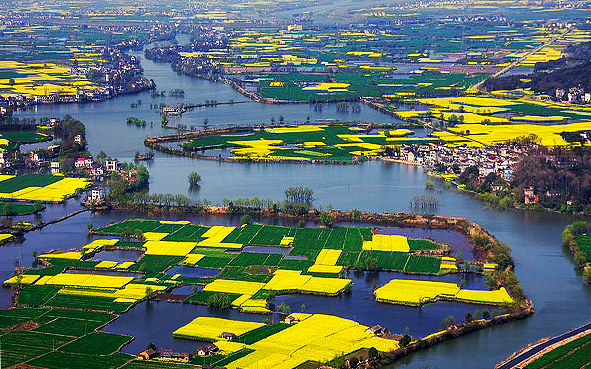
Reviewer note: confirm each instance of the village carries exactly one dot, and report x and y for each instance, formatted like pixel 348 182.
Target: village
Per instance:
pixel 456 159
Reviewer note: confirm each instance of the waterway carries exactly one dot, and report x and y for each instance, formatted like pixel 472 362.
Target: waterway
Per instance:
pixel 543 266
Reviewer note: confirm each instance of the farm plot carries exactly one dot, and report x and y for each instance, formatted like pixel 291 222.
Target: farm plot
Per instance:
pixel 66 360
pixel 210 329
pixel 39 187
pixel 315 337
pixel 69 327
pixel 99 343
pixel 414 292
pixel 560 355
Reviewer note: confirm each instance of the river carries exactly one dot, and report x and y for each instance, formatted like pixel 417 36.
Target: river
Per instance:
pixel 544 267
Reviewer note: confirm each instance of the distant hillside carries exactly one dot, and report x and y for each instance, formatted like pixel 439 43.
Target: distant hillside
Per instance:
pixel 571 71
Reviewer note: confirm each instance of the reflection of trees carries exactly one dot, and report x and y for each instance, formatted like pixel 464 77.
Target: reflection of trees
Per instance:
pixel 424 201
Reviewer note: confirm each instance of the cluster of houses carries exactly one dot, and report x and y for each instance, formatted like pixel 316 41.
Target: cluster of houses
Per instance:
pixel 122 75
pixel 498 159
pixel 573 95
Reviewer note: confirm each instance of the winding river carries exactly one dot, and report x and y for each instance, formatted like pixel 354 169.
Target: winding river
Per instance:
pixel 544 267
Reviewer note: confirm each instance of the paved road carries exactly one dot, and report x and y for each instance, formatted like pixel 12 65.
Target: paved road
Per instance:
pixel 536 349
pixel 518 61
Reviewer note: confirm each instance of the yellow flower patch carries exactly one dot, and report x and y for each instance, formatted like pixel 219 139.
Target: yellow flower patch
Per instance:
pixel 106 264
pixel 137 290
pixel 287 280
pixel 98 244
pixel 228 347
pixel 22 279
pixel 296 129
pixel 329 286
pixel 317 337
pixel 499 296
pixel 317 268
pixel 415 292
pixel 210 329
pixel 181 222
pixel 193 259
pixel 286 240
pixel 325 86
pixel 328 257
pixel 231 286
pixel 255 306
pixel 72 255
pixel 168 248
pixel 125 265
pixel 383 242
pixel 215 235
pixel 240 300
pixel 88 280
pixel 154 236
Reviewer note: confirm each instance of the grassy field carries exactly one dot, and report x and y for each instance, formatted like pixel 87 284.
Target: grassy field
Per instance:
pixel 575 354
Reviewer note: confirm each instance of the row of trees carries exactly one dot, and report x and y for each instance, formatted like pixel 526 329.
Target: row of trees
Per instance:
pixel 299 195
pixel 569 238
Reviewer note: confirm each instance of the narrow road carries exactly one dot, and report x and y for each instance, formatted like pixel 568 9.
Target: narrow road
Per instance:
pixel 536 349
pixel 518 61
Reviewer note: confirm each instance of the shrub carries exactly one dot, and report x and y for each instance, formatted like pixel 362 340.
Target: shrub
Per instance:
pixel 327 219
pixel 219 301
pixel 194 179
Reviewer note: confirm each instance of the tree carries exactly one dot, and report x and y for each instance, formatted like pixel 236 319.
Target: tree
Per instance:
pixel 89 226
pixel 7 209
pixel 38 206
pixel 303 308
pixel 406 338
pixel 194 179
pixel 219 301
pixel 245 219
pixel 299 195
pixel 469 318
pixel 327 219
pixel 459 257
pixel 285 309
pixel 448 321
pixel 149 292
pixel 485 314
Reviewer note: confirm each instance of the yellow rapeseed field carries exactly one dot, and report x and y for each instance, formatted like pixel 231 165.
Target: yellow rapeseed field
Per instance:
pixel 328 257
pixel 316 337
pixel 88 280
pixel 54 192
pixel 210 329
pixel 215 235
pixel 169 248
pixel 383 242
pixel 293 280
pixel 232 286
pixel 415 292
